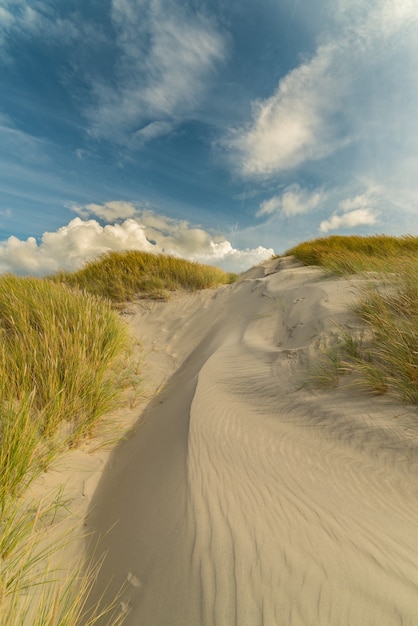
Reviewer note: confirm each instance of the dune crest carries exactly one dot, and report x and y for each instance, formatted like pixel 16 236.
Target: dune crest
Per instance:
pixel 246 499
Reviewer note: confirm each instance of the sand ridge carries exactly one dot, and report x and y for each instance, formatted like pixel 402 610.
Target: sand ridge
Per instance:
pixel 246 499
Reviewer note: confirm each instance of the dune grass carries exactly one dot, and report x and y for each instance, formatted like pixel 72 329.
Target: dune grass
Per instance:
pixel 58 353
pixel 62 359
pixel 356 254
pixel 123 276
pixel 57 349
pixel 61 344
pixel 32 593
pixel 382 354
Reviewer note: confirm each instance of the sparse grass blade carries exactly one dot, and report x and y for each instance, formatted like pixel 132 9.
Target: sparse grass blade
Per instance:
pixel 31 592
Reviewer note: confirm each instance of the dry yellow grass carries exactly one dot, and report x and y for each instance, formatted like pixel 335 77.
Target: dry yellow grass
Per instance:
pixel 383 356
pixel 60 342
pixel 122 276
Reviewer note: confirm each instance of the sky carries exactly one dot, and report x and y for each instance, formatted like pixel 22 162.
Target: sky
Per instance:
pixel 222 131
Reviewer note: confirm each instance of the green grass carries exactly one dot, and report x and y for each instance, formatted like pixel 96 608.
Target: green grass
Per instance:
pixel 122 276
pixel 382 355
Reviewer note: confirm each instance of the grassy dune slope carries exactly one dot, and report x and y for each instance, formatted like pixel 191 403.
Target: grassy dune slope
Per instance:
pixel 383 355
pixel 61 345
pixel 354 254
pixel 122 276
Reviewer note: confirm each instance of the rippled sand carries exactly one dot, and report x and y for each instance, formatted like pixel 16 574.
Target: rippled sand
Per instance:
pixel 247 499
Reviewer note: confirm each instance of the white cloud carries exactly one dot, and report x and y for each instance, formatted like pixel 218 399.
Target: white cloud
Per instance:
pixel 376 18
pixel 41 21
pixel 31 18
pixel 293 201
pixel 272 205
pixel 166 58
pixel 357 211
pixel 69 247
pixel 109 211
pixel 296 124
pixel 358 217
pixel 72 245
pixel 362 201
pixel 153 131
pixel 338 97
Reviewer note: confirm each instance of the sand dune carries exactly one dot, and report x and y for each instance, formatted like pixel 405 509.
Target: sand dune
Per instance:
pixel 246 499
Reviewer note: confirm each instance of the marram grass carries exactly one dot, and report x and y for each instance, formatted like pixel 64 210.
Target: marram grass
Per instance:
pixel 355 254
pixel 122 276
pixel 381 355
pixel 62 357
pixel 59 348
pixel 32 593
pixel 56 354
pixel 59 354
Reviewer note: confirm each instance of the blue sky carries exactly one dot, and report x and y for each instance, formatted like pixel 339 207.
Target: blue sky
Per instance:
pixel 219 130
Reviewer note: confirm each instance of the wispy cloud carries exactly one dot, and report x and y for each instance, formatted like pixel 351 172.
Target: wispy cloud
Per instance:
pixel 293 201
pixel 19 145
pixel 166 55
pixel 151 131
pixel 364 22
pixel 6 18
pixel 334 100
pixel 357 211
pixel 163 55
pixel 296 123
pixel 29 18
pixel 109 211
pixel 81 240
pixel 358 217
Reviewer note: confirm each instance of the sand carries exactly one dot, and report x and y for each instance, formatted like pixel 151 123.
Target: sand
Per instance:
pixel 245 498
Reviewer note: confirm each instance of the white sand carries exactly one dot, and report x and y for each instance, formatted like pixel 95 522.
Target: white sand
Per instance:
pixel 246 500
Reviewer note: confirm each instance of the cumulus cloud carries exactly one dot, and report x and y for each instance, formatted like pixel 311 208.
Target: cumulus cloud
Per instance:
pixel 293 201
pixel 80 240
pixel 166 57
pixel 357 211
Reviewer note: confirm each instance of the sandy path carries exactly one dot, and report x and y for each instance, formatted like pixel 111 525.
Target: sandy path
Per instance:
pixel 245 500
